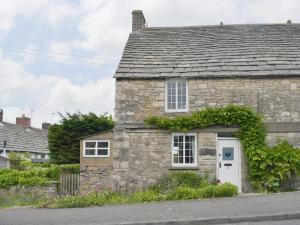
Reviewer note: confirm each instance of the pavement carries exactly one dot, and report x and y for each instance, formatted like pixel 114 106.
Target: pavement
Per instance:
pixel 243 210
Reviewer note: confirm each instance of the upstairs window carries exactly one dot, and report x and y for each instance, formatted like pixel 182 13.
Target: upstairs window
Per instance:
pixel 96 149
pixel 176 96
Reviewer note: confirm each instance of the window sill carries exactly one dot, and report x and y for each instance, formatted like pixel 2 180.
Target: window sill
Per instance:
pixel 184 168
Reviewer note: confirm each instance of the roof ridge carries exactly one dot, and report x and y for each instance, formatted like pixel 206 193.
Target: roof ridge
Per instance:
pixel 24 127
pixel 223 25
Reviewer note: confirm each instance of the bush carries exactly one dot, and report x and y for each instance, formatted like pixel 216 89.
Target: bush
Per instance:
pixel 218 191
pixel 177 179
pixel 20 161
pixel 225 190
pixel 34 177
pixel 9 177
pixel 182 193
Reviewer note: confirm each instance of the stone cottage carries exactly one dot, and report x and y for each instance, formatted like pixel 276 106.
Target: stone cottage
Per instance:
pixel 169 71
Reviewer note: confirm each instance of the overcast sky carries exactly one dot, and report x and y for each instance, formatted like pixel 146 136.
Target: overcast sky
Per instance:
pixel 60 55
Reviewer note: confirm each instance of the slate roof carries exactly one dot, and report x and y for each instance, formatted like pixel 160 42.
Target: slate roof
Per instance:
pixel 21 138
pixel 258 50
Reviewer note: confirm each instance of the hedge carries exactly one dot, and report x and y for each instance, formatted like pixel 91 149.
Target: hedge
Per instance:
pixel 38 176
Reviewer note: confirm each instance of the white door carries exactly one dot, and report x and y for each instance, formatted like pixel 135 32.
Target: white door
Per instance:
pixel 229 162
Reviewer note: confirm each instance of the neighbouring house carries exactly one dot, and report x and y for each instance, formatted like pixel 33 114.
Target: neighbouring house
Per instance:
pixel 22 138
pixel 4 162
pixel 171 71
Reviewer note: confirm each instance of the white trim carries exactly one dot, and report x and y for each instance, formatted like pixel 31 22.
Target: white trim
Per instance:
pixel 183 165
pixel 96 149
pixel 239 159
pixel 187 96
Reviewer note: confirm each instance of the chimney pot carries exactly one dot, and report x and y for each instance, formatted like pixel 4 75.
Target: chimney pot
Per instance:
pixel 1 115
pixel 23 121
pixel 45 126
pixel 138 20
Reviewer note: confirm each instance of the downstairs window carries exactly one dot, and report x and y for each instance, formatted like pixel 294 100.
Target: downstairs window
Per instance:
pixel 96 148
pixel 184 150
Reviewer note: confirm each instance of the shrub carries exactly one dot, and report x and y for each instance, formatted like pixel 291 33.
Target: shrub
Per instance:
pixel 35 176
pixel 20 161
pixel 218 191
pixel 182 193
pixel 9 177
pixel 176 179
pixel 225 190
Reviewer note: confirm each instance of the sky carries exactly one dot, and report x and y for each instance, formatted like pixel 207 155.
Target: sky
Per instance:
pixel 61 55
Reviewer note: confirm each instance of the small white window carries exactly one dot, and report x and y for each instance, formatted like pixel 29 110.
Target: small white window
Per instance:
pixel 96 148
pixel 176 96
pixel 184 150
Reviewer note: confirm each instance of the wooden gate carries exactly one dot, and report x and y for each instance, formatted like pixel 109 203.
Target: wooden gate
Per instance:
pixel 69 184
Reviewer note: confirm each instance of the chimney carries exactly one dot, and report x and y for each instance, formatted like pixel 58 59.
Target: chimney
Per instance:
pixel 45 126
pixel 138 20
pixel 23 121
pixel 1 115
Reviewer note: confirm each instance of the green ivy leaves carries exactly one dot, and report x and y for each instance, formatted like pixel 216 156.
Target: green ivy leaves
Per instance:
pixel 268 166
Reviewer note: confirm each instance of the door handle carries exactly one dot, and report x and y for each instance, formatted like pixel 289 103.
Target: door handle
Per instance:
pixel 220 164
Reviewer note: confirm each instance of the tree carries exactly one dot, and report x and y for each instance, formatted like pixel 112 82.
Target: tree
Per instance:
pixel 64 138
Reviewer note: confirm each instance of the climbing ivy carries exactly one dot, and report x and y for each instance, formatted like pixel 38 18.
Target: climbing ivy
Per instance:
pixel 268 167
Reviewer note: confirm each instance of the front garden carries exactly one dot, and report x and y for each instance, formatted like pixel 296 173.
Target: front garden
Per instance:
pixel 174 186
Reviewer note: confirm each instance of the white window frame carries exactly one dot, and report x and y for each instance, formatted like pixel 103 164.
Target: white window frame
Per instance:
pixel 96 149
pixel 196 152
pixel 187 96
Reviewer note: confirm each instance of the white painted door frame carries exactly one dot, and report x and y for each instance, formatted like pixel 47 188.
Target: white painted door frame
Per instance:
pixel 238 158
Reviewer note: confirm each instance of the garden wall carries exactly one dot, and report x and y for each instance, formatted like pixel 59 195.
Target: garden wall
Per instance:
pixel 37 192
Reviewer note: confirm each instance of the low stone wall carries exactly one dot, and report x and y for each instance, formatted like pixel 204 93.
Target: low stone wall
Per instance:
pixel 48 191
pixel 95 178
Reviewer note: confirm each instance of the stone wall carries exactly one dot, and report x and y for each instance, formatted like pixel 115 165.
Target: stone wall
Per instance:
pixel 147 157
pixel 277 99
pixel 48 191
pixel 292 137
pixel 95 178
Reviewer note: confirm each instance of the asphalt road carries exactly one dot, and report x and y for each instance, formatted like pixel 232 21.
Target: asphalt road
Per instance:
pixel 283 205
pixel 282 222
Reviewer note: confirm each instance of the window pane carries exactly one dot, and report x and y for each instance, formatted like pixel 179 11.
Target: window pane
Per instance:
pixel 102 152
pixel 89 151
pixel 102 144
pixel 90 144
pixel 181 98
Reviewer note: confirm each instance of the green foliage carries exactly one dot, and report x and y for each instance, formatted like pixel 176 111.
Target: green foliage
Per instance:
pixel 176 179
pixel 35 176
pixel 10 177
pixel 268 167
pixel 188 186
pixel 19 161
pixel 64 138
pixel 145 196
pixel 182 193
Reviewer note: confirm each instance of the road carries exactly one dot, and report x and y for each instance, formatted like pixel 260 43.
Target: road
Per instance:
pixel 226 210
pixel 282 222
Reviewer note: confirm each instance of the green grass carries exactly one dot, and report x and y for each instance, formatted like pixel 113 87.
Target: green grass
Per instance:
pixel 18 200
